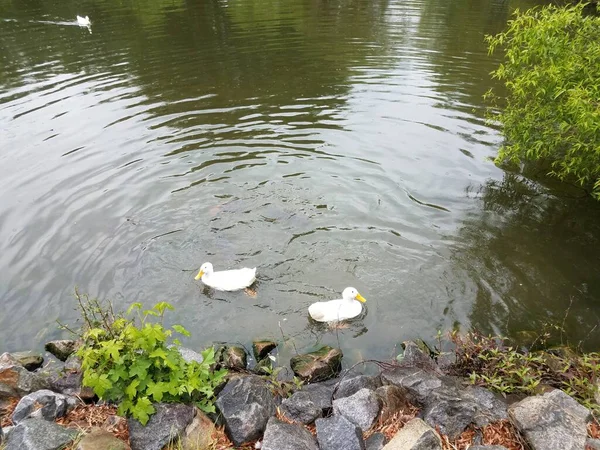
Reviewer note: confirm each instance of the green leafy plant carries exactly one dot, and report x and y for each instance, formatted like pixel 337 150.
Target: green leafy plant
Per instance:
pixel 136 361
pixel 487 361
pixel 551 71
pixel 279 387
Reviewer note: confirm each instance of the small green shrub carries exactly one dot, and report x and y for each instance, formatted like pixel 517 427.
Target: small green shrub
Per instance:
pixel 551 72
pixel 135 362
pixel 487 361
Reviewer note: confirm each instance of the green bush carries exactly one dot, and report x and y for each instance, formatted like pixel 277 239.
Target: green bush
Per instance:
pixel 133 362
pixel 551 71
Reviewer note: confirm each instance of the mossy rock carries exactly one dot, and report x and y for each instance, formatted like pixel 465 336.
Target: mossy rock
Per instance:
pixel 262 348
pixel 232 357
pixel 264 366
pixel 319 365
pixel 31 361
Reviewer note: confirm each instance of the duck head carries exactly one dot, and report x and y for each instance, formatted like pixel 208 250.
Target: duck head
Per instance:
pixel 205 269
pixel 352 294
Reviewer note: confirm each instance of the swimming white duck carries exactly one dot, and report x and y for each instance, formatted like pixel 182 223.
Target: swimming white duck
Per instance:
pixel 335 310
pixel 83 21
pixel 226 280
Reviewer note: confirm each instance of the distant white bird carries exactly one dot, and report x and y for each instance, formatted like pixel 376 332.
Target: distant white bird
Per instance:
pixel 335 310
pixel 226 280
pixel 83 21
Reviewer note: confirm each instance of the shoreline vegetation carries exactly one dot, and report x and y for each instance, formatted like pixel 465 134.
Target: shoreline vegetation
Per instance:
pixel 126 382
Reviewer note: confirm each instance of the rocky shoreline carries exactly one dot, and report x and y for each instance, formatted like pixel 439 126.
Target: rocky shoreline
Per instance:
pixel 407 405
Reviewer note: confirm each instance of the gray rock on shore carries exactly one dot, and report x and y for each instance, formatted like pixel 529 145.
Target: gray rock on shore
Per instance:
pixel 350 386
pixel 43 404
pixel 552 421
pixel 321 393
pixel 190 355
pixel 245 404
pixel 285 436
pixel 415 435
pixel 338 433
pixel 300 408
pixel 375 442
pixel 39 434
pixel 16 380
pixel 168 423
pixel 361 408
pixel 418 383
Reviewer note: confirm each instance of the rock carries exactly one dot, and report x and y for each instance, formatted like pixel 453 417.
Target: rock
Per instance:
pixel 361 408
pixel 300 408
pixel 16 380
pixel 233 357
pixel 6 433
pixel 417 382
pixel 319 365
pixel 264 367
pixel 553 421
pixel 415 435
pixel 38 434
pixel 168 423
pixel 414 356
pixel 489 406
pixel 73 363
pixel 246 404
pixel 350 386
pixel 43 404
pixel 338 433
pixel 452 408
pixel 594 444
pixel 199 433
pixel 70 383
pixel 101 440
pixel 321 394
pixel 31 361
pixel 375 442
pixel 285 436
pixel 62 349
pixel 262 348
pixel 393 399
pixel 190 355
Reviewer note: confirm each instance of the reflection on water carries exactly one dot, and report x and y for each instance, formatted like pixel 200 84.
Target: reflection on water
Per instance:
pixel 331 144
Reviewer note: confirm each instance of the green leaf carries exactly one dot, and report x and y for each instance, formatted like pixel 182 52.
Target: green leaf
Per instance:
pixel 142 410
pixel 134 306
pixel 181 330
pixel 156 390
pixel 131 390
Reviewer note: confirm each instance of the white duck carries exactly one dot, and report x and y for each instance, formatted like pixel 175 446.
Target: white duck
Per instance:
pixel 226 280
pixel 83 21
pixel 335 310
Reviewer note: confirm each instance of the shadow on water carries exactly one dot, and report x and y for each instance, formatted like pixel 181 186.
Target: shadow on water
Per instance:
pixel 532 255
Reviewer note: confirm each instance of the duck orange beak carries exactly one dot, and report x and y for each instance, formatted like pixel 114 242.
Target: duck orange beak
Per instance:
pixel 360 298
pixel 199 275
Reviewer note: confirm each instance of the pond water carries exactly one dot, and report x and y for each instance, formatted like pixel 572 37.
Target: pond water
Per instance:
pixel 330 143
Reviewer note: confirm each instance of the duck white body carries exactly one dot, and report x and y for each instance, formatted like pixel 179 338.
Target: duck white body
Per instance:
pixel 335 310
pixel 83 21
pixel 226 280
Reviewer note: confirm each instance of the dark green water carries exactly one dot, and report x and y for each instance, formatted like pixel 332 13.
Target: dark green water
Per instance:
pixel 330 143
